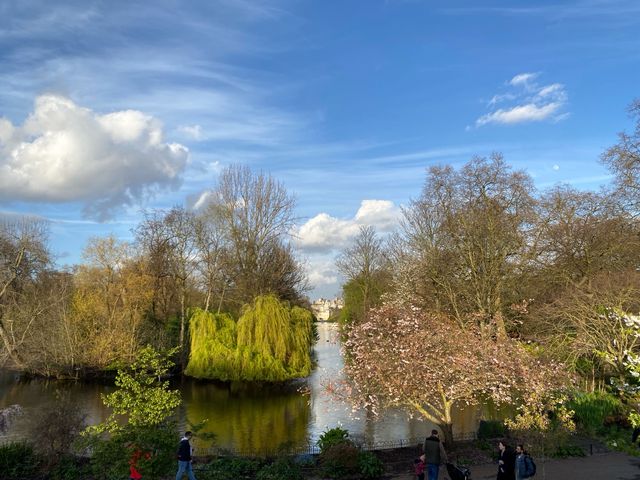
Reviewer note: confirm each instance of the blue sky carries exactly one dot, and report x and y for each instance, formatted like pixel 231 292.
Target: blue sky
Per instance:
pixel 110 107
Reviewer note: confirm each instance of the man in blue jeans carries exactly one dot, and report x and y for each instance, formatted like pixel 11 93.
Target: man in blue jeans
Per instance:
pixel 434 455
pixel 184 457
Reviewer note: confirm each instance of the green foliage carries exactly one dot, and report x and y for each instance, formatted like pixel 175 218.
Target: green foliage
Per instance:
pixel 270 342
pixel 592 409
pixel 331 437
pixel 70 467
pixel 370 466
pixel 340 460
pixel 491 429
pixel 229 468
pixel 17 460
pixel 619 439
pixel 566 451
pixel 141 407
pixel 156 444
pixel 282 469
pixel 143 399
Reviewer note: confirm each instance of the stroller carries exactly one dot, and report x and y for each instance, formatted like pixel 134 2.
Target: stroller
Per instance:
pixel 457 472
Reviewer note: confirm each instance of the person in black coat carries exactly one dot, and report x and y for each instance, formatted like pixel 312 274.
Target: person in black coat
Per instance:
pixel 506 462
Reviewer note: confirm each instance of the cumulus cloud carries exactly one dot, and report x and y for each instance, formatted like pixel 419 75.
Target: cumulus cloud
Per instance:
pixel 322 273
pixel 325 233
pixel 526 101
pixel 66 153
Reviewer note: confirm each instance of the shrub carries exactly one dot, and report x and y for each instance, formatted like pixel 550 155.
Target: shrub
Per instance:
pixel 370 465
pixel 340 460
pixel 281 469
pixel 331 437
pixel 17 460
pixel 54 427
pixel 110 459
pixel 70 467
pixel 592 409
pixel 229 468
pixel 489 429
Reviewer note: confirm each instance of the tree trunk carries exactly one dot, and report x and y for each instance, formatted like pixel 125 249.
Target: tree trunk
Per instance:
pixel 447 435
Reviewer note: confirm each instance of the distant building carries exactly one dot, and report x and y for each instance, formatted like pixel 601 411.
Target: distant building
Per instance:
pixel 324 308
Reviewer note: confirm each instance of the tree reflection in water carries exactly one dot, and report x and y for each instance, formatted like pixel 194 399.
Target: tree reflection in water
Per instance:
pixel 248 417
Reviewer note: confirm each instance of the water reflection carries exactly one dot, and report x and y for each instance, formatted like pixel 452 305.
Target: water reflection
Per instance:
pixel 254 418
pixel 249 419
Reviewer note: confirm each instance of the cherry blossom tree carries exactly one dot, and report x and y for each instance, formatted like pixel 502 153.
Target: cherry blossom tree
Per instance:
pixel 403 357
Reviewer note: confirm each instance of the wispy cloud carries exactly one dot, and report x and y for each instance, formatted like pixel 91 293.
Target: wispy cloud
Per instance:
pixel 526 101
pixel 622 11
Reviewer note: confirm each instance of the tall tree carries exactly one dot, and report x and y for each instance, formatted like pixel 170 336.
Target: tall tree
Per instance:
pixel 23 257
pixel 366 270
pixel 255 213
pixel 466 237
pixel 170 241
pixel 112 297
pixel 623 159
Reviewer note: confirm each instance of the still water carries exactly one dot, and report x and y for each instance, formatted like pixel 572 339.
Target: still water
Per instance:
pixel 246 418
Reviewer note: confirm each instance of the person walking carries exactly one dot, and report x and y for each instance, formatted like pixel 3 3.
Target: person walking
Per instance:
pixel 184 457
pixel 525 468
pixel 434 455
pixel 506 462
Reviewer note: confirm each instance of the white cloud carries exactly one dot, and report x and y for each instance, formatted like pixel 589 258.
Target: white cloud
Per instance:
pixel 519 114
pixel 66 153
pixel 526 102
pixel 325 233
pixel 322 273
pixel 382 214
pixel 522 79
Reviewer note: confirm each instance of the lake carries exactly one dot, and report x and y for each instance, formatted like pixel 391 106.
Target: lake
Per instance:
pixel 250 418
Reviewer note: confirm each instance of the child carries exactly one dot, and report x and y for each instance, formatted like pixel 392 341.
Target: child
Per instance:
pixel 419 466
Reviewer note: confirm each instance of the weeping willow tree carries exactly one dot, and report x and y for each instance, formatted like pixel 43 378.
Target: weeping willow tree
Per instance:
pixel 213 345
pixel 271 342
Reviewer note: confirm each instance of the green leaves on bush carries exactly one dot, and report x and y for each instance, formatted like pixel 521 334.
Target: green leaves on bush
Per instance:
pixel 331 437
pixel 17 460
pixel 229 468
pixel 281 469
pixel 340 460
pixel 370 466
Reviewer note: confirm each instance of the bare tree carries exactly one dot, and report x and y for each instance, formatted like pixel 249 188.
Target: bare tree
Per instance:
pixel 467 235
pixel 365 267
pixel 623 159
pixel 255 215
pixel 170 242
pixel 23 256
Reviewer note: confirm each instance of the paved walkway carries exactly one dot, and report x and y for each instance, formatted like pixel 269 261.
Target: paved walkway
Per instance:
pixel 604 466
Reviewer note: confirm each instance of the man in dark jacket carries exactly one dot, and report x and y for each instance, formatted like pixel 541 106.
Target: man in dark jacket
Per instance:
pixel 184 457
pixel 434 455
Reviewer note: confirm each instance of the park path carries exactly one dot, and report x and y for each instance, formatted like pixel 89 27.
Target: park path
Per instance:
pixel 603 466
